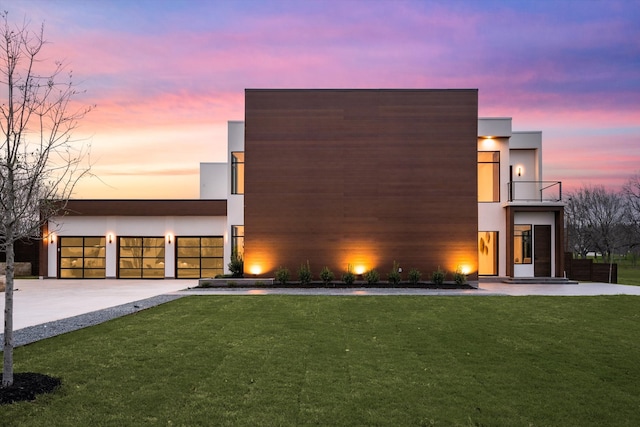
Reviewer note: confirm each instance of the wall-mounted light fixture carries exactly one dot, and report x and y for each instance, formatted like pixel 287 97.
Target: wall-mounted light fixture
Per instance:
pixel 52 238
pixel 519 170
pixel 169 238
pixel 110 238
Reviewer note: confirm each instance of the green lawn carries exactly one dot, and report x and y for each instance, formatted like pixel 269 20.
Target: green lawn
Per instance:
pixel 629 275
pixel 628 270
pixel 365 361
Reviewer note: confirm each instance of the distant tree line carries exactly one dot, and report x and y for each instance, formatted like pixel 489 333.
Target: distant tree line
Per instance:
pixel 603 221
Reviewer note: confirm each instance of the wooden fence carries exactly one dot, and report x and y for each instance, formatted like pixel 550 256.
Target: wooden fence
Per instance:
pixel 588 271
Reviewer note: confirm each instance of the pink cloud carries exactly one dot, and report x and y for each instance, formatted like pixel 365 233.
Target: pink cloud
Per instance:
pixel 571 73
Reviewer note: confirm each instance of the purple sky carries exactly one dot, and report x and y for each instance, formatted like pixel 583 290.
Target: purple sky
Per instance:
pixel 167 75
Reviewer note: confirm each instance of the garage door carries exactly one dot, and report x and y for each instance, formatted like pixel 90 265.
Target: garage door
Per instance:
pixel 81 257
pixel 198 257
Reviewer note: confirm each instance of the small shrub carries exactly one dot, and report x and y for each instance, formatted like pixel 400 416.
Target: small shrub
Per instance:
pixel 326 275
pixel 348 278
pixel 459 277
pixel 282 275
pixel 414 276
pixel 304 274
pixel 260 283
pixel 438 277
pixel 372 276
pixel 394 276
pixel 236 266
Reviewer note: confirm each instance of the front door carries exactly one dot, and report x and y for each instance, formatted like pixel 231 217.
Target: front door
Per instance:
pixel 542 251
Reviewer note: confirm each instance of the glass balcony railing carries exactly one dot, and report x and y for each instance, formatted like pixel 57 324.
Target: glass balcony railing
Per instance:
pixel 535 191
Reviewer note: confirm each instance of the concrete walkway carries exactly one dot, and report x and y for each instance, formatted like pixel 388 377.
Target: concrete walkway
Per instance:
pixel 38 302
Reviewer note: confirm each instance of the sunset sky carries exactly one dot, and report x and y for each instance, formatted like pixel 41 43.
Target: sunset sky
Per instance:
pixel 166 76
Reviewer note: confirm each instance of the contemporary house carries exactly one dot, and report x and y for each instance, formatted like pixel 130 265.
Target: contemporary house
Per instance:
pixel 347 178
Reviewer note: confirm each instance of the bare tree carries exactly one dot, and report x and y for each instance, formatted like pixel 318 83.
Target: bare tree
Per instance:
pixel 39 163
pixel 578 233
pixel 596 216
pixel 631 194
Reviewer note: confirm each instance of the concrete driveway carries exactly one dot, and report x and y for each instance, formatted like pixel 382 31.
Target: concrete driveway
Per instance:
pixel 42 301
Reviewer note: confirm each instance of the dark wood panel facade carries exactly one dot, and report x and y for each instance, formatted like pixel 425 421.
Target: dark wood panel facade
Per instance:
pixel 126 207
pixel 361 177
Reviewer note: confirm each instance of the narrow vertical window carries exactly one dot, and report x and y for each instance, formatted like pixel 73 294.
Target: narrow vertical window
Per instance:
pixel 488 176
pixel 522 244
pixel 237 240
pixel 488 253
pixel 237 172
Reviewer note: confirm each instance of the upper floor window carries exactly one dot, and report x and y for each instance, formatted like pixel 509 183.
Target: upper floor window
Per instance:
pixel 488 176
pixel 237 172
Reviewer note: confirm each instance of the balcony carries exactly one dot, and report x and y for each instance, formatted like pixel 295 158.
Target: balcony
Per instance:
pixel 535 191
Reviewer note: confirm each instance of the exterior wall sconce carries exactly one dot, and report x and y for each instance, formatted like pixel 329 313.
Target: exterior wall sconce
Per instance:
pixel 110 238
pixel 169 238
pixel 52 238
pixel 519 170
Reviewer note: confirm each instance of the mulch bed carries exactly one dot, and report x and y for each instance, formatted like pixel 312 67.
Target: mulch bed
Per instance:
pixel 230 283
pixel 26 386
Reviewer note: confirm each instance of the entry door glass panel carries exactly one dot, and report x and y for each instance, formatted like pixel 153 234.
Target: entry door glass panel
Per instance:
pixel 522 244
pixel 198 257
pixel 82 257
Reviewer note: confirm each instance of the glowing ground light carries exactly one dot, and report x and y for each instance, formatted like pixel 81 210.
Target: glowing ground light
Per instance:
pixel 359 269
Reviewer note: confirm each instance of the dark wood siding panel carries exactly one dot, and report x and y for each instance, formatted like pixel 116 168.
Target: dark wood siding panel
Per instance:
pixel 146 207
pixel 362 176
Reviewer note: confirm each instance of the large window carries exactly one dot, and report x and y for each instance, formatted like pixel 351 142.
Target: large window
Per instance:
pixel 198 257
pixel 488 176
pixel 237 172
pixel 237 239
pixel 82 257
pixel 141 257
pixel 488 253
pixel 522 244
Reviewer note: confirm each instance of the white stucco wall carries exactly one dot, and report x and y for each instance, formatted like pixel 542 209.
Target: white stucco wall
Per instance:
pixel 132 226
pixel 214 180
pixel 491 216
pixel 235 202
pixel 526 186
pixel 535 218
pixel 529 140
pixel 494 127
